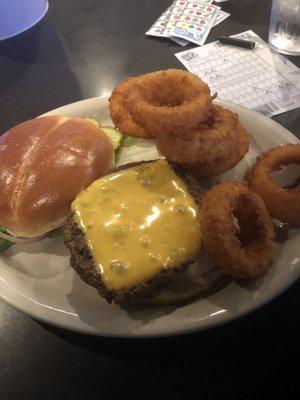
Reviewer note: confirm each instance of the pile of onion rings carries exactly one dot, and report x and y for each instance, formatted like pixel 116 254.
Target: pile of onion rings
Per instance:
pixel 167 101
pixel 174 107
pixel 282 203
pixel 237 230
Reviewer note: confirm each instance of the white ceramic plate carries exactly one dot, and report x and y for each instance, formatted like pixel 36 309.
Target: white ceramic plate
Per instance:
pixel 37 279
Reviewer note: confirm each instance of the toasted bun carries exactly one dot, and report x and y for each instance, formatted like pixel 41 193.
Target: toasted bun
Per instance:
pixel 188 284
pixel 44 163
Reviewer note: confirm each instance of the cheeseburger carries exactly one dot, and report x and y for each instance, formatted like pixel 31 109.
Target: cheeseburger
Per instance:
pixel 135 234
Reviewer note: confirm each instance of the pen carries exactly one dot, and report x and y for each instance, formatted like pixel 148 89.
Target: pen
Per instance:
pixel 245 44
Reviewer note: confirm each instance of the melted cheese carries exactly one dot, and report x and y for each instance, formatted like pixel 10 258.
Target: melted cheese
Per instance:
pixel 138 222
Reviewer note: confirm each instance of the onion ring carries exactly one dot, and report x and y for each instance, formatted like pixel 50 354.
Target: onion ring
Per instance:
pixel 214 147
pixel 120 114
pixel 282 203
pixel 169 102
pixel 241 253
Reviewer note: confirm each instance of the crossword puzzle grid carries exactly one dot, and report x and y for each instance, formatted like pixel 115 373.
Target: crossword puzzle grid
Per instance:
pixel 244 79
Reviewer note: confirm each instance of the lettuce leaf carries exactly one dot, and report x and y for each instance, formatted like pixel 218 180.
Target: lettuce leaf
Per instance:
pixel 55 233
pixel 4 243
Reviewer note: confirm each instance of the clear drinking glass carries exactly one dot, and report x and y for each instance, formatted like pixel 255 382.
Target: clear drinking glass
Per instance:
pixel 284 33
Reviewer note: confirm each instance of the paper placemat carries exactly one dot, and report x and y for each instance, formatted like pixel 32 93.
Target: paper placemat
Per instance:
pixel 257 79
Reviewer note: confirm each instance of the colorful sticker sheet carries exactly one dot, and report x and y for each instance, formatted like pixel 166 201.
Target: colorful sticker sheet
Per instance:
pixel 187 21
pixel 220 17
pixel 193 21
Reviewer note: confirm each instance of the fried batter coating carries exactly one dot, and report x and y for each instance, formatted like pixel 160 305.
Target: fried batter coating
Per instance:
pixel 169 102
pixel 282 203
pixel 214 147
pixel 237 230
pixel 120 114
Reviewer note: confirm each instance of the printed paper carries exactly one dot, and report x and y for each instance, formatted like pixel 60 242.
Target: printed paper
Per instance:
pixel 258 79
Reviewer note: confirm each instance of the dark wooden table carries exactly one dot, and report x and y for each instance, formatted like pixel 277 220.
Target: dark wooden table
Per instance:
pixel 83 49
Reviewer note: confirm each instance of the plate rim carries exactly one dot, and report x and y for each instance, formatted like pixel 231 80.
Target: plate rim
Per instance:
pixel 208 323
pixel 218 320
pixel 216 101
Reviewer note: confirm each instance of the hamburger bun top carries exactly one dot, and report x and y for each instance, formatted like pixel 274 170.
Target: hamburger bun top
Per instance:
pixel 44 163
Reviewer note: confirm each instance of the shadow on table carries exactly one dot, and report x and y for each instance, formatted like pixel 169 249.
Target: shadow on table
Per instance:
pixel 236 361
pixel 168 349
pixel 234 339
pixel 24 46
pixel 245 12
pixel 37 71
pixel 241 340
